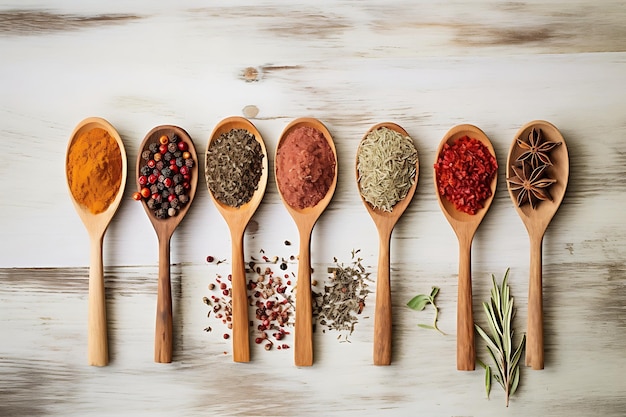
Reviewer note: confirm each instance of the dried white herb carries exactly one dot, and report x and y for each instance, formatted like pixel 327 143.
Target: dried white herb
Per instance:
pixel 386 165
pixel 500 313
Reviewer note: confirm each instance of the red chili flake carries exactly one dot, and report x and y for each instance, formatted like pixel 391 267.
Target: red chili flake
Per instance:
pixel 464 172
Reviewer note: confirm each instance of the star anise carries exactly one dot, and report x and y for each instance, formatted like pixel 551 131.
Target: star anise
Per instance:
pixel 531 189
pixel 536 149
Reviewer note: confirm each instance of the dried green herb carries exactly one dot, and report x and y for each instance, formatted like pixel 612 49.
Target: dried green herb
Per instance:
pixel 386 164
pixel 233 167
pixel 343 297
pixel 500 313
pixel 419 303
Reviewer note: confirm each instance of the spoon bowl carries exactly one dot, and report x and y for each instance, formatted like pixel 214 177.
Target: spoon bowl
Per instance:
pixel 536 221
pixel 237 219
pixel 464 226
pixel 96 225
pixel 385 221
pixel 164 229
pixel 305 219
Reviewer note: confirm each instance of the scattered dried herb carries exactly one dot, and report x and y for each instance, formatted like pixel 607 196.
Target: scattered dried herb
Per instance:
pixel 233 167
pixel 464 172
pixel 500 313
pixel 343 297
pixel 386 166
pixel 419 303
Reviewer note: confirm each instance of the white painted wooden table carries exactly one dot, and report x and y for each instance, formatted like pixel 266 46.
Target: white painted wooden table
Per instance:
pixel 424 65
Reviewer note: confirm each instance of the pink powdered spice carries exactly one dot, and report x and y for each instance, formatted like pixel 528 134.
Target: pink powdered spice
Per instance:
pixel 305 167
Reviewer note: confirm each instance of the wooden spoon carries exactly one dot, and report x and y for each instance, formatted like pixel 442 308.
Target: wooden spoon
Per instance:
pixel 305 219
pixel 96 225
pixel 465 226
pixel 164 229
pixel 536 221
pixel 385 222
pixel 237 219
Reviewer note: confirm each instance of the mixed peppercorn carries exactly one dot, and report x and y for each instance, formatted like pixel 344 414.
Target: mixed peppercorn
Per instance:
pixel 165 176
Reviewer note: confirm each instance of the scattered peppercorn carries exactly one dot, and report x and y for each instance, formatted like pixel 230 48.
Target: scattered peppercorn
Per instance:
pixel 268 294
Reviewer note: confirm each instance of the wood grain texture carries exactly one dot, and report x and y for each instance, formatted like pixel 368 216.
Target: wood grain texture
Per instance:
pixel 425 66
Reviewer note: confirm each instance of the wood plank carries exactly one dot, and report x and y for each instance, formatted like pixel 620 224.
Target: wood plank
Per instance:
pixel 424 65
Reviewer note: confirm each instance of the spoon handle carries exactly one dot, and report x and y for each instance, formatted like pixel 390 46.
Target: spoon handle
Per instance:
pixel 97 344
pixel 465 351
pixel 303 341
pixel 382 313
pixel 534 342
pixel 241 338
pixel 163 333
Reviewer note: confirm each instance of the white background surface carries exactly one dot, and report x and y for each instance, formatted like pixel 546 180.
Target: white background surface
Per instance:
pixel 423 65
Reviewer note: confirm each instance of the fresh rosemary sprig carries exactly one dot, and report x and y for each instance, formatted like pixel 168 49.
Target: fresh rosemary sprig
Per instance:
pixel 500 315
pixel 419 303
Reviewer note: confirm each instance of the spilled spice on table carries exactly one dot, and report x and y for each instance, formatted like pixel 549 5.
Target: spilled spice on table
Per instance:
pixel 336 307
pixel 343 297
pixel 269 292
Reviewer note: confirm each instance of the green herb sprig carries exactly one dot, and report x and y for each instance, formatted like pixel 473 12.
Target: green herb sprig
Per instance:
pixel 419 303
pixel 500 313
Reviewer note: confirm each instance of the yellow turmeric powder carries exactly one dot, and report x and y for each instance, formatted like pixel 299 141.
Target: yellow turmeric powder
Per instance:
pixel 94 169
